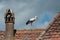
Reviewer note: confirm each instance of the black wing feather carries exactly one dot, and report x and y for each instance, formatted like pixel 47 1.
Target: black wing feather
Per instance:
pixel 27 22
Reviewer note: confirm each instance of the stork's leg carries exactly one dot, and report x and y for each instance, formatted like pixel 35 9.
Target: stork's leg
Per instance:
pixel 31 24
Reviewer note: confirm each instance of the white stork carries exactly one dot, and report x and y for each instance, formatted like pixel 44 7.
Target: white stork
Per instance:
pixel 30 21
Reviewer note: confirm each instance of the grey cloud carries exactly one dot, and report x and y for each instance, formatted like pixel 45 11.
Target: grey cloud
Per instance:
pixel 26 9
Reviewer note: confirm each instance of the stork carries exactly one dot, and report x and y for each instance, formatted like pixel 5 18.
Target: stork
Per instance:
pixel 30 21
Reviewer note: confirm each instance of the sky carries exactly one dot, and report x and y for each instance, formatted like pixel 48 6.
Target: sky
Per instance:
pixel 26 9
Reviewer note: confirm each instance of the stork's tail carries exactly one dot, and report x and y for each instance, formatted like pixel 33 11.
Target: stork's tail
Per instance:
pixel 27 22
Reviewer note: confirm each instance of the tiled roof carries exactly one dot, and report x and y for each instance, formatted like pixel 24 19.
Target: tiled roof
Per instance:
pixel 2 35
pixel 31 34
pixel 53 30
pixel 21 34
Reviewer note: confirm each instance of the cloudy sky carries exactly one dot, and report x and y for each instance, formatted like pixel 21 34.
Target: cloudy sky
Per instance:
pixel 26 9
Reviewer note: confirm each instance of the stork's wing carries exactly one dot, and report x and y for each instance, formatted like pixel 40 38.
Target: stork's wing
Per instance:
pixel 32 19
pixel 27 22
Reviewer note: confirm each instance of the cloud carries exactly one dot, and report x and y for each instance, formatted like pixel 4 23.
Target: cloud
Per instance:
pixel 42 25
pixel 1 6
pixel 26 9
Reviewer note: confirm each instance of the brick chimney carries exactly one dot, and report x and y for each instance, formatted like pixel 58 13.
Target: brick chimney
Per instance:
pixel 9 22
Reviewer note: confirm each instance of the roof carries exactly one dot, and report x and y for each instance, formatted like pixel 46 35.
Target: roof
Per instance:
pixel 31 34
pixel 52 29
pixel 30 31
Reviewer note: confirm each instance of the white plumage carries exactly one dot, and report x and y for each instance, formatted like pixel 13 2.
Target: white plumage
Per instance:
pixel 30 21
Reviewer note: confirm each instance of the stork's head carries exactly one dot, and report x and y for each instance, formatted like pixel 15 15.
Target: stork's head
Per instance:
pixel 9 10
pixel 36 17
